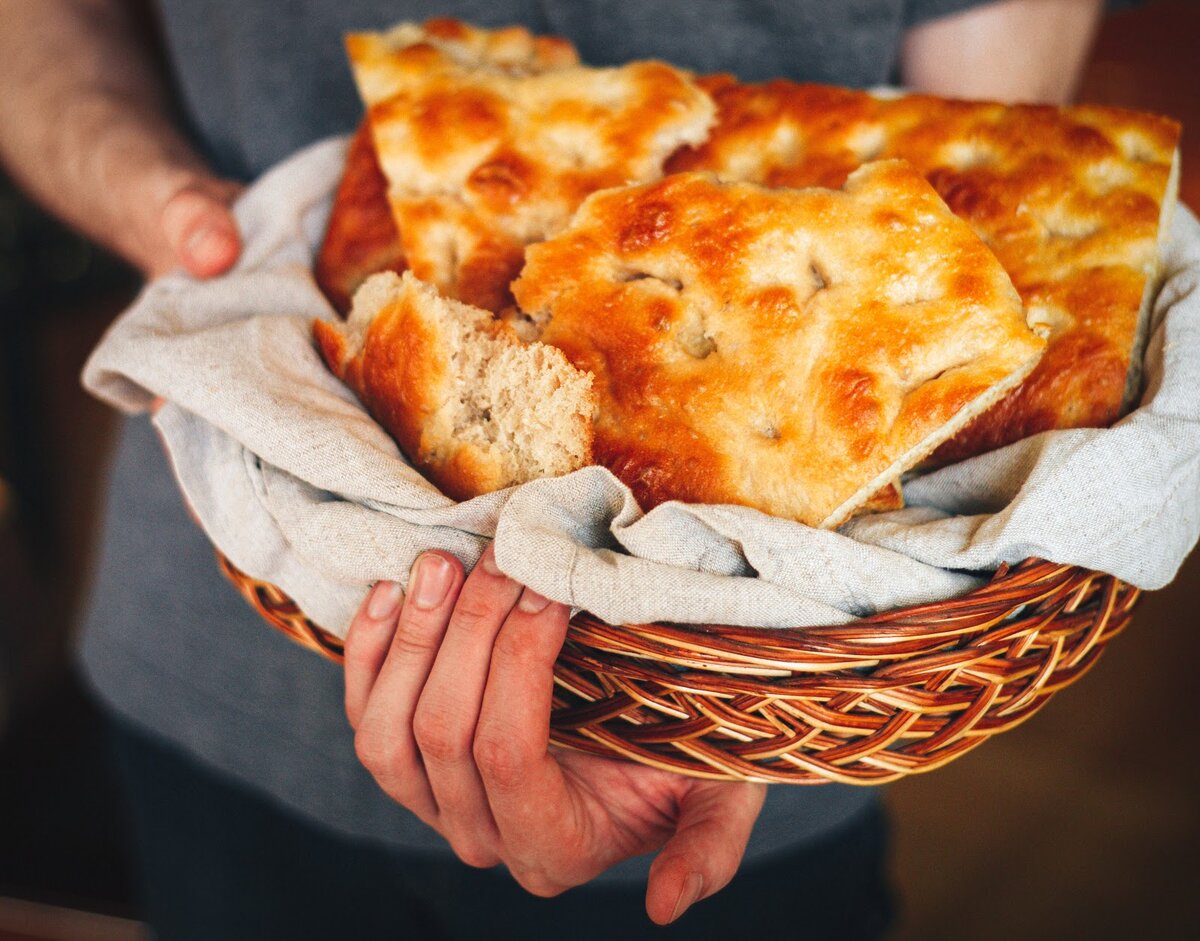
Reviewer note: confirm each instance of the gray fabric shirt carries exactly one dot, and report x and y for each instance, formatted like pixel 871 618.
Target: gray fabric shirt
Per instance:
pixel 258 83
pixel 168 644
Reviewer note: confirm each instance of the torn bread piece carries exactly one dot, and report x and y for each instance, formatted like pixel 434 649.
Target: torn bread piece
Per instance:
pixel 485 153
pixel 1075 202
pixel 789 350
pixel 472 407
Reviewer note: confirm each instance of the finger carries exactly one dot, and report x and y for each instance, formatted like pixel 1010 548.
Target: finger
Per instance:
pixel 367 643
pixel 449 711
pixel 201 231
pixel 525 786
pixel 384 740
pixel 715 820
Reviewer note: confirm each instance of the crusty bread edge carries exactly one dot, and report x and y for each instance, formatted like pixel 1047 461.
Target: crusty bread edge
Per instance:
pixel 331 344
pixel 926 446
pixel 1154 279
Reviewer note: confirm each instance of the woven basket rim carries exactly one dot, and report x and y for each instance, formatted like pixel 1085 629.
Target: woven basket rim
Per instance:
pixel 1017 585
pixel 898 693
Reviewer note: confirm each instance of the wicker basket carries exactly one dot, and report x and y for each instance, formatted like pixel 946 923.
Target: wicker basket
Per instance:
pixel 861 703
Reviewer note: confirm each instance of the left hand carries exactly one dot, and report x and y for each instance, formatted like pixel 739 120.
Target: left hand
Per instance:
pixel 449 692
pixel 194 228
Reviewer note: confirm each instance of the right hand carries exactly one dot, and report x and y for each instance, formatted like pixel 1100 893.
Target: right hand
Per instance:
pixel 193 229
pixel 449 692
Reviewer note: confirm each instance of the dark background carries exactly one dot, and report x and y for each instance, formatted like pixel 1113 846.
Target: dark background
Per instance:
pixel 1084 823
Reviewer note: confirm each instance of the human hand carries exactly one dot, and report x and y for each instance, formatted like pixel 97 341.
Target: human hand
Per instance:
pixel 449 693
pixel 193 227
pixel 90 132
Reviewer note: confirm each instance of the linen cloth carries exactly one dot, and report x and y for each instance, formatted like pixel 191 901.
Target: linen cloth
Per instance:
pixel 297 485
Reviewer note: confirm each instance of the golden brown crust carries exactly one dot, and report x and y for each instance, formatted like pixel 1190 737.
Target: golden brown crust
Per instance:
pixel 361 236
pixel 511 48
pixel 1069 200
pixel 789 350
pixel 332 347
pixel 399 374
pixel 472 407
pixel 886 498
pixel 485 155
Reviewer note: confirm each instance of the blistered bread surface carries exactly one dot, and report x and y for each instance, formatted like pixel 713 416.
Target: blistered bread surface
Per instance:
pixel 1070 200
pixel 490 141
pixel 788 350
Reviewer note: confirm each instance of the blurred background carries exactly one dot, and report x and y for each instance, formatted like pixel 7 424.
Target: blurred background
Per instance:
pixel 1083 823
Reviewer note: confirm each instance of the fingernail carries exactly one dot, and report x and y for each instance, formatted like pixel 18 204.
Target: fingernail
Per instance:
pixel 208 246
pixel 488 561
pixel 531 602
pixel 431 581
pixel 199 235
pixel 385 601
pixel 693 886
pixel 204 240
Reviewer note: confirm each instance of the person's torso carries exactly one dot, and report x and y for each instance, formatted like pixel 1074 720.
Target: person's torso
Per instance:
pixel 169 644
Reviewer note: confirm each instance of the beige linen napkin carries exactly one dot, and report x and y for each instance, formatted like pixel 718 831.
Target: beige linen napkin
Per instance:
pixel 297 485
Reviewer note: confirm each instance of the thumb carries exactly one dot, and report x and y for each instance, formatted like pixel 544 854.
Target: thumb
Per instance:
pixel 715 820
pixel 200 230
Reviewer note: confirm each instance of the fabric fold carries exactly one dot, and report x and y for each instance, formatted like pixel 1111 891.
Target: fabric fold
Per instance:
pixel 292 480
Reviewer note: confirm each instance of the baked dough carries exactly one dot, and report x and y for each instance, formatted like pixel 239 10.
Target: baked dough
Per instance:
pixel 472 406
pixel 379 68
pixel 1073 202
pixel 490 142
pixel 788 350
pixel 360 238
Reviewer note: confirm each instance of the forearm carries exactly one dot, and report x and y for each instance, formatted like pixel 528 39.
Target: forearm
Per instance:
pixel 1015 50
pixel 86 127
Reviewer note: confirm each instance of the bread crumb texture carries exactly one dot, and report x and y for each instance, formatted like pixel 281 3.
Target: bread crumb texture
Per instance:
pixel 471 405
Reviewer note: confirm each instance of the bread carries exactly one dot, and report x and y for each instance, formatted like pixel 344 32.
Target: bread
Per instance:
pixel 380 67
pixel 472 407
pixel 789 350
pixel 886 498
pixel 360 238
pixel 490 143
pixel 1072 201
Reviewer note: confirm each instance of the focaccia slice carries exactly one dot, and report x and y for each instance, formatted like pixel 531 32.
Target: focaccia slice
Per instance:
pixel 484 156
pixel 472 406
pixel 788 350
pixel 361 237
pixel 1073 201
pixel 380 71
